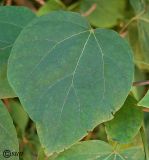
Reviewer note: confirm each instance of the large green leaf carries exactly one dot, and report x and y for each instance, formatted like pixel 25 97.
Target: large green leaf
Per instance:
pixel 145 101
pixel 126 123
pixel 8 136
pixel 99 150
pixel 106 14
pixel 141 47
pixel 69 77
pixel 12 21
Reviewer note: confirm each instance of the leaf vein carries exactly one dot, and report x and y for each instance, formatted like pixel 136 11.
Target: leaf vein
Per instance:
pixel 103 64
pixel 13 24
pixel 50 50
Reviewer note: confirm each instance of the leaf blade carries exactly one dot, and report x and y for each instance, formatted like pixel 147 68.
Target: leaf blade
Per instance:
pixel 67 76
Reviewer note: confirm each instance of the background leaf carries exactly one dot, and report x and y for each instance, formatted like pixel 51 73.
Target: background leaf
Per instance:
pixel 141 47
pixel 51 5
pixel 126 123
pixel 72 85
pixel 145 101
pixel 106 14
pixel 99 150
pixel 138 91
pixel 12 21
pixel 8 136
pixel 19 116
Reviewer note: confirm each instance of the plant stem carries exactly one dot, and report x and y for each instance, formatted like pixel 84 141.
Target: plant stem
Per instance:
pixel 73 6
pixel 141 83
pixel 145 143
pixel 91 10
pixel 131 20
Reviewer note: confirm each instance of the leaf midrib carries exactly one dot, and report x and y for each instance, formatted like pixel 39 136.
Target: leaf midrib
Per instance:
pixel 73 75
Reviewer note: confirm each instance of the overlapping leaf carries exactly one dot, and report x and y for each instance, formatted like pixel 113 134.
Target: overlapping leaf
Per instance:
pixel 12 21
pixel 126 123
pixel 99 150
pixel 51 5
pixel 104 13
pixel 8 136
pixel 69 77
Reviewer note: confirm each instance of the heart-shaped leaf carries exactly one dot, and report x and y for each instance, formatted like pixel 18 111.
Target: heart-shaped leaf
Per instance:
pixel 8 136
pixel 12 21
pixel 69 77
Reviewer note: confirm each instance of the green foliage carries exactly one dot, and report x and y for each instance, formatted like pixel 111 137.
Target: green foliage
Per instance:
pixel 106 13
pixel 145 101
pixel 8 136
pixel 141 32
pixel 126 123
pixel 67 74
pixel 12 21
pixel 99 150
pixel 51 5
pixel 18 115
pixel 74 80
pixel 138 92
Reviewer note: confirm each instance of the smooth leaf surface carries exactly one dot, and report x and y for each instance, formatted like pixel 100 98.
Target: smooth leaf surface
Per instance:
pixel 69 77
pixel 106 14
pixel 126 123
pixel 145 101
pixel 99 150
pixel 8 136
pixel 12 21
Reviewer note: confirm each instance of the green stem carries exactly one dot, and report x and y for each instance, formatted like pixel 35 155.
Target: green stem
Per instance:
pixel 60 3
pixel 73 6
pixel 145 143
